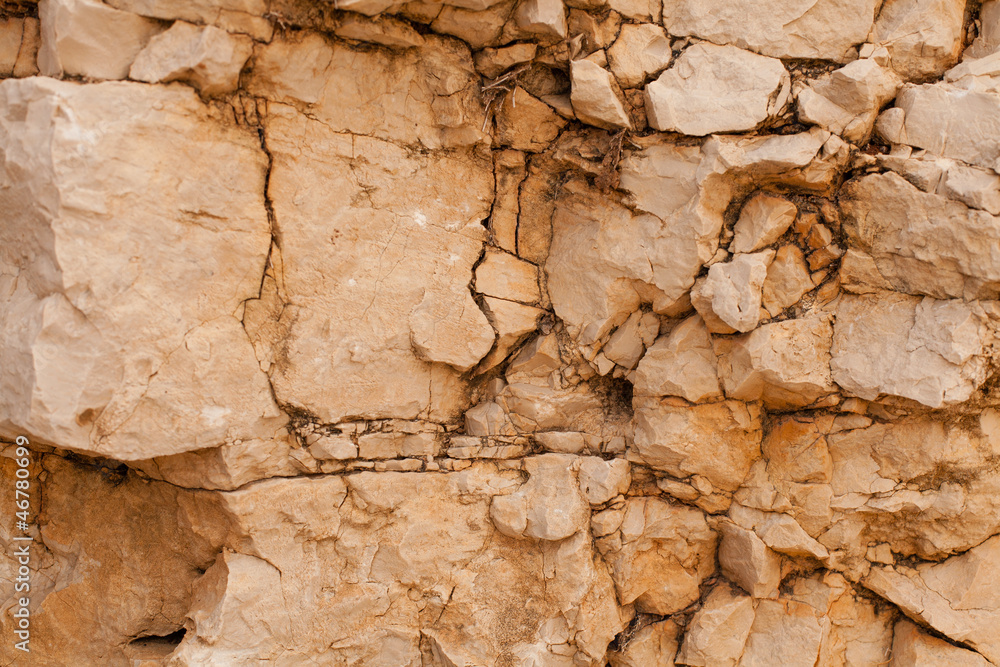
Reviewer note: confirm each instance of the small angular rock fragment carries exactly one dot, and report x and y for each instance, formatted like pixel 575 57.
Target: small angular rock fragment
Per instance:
pixel 762 221
pixel 681 363
pixel 640 51
pixel 787 281
pixel 848 100
pixel 747 562
pixel 924 37
pixel 506 277
pixel 729 298
pixel 545 18
pixel 719 630
pixel 209 58
pixel 595 100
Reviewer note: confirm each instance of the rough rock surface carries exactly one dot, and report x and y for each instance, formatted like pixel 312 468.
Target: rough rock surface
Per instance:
pixel 596 333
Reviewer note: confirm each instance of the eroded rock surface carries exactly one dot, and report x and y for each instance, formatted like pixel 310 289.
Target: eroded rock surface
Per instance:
pixel 500 333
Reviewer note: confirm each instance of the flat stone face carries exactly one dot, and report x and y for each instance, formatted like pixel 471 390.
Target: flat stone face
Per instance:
pixel 931 351
pixel 374 339
pixel 108 229
pixel 717 89
pixel 825 29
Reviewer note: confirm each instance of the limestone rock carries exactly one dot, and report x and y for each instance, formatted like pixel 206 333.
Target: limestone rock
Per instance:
pixel 848 100
pixel 602 480
pixel 108 379
pixel 931 351
pixel 240 16
pixel 958 597
pixel 513 322
pixel 384 30
pixel 717 89
pixel 598 263
pixel 655 644
pixel 492 62
pixel 545 18
pixel 718 630
pixel 354 323
pixel 787 364
pixel 787 30
pixel 787 628
pixel 718 441
pixel 729 298
pixel 988 40
pixel 681 363
pixel 660 555
pixel 526 123
pixel 389 95
pixel 787 281
pixel 747 562
pixel 923 37
pixel 506 277
pixel 595 100
pixel 549 506
pixel 209 58
pixel 971 136
pixel 640 51
pixel 88 38
pixel 913 648
pixel 629 341
pixel 762 221
pixel 884 216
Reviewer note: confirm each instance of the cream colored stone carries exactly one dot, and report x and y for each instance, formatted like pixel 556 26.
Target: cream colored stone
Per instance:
pixel 492 62
pixel 241 16
pixel 88 38
pixel 747 562
pixel 787 364
pixel 211 59
pixel 931 351
pixel 336 448
pixel 629 341
pixel 762 221
pixel 958 597
pixel 913 648
pixel 107 378
pixel 384 30
pixel 787 30
pixel 545 18
pixel 549 506
pixel 729 298
pixel 567 442
pixel 505 276
pixel 923 37
pixel 681 363
pixel 718 631
pixel 922 243
pixel 973 136
pixel 717 89
pixel 787 281
pixel 848 100
pixel 513 322
pixel 602 480
pixel 716 440
pixel 791 630
pixel 640 51
pixel 488 418
pixel 662 554
pixel 595 99
pixel 655 644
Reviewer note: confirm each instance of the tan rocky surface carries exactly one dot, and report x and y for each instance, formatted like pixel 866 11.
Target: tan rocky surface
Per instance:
pixel 500 333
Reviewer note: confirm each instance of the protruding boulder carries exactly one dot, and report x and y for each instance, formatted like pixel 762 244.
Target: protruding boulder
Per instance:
pixel 717 89
pixel 848 100
pixel 681 363
pixel 787 281
pixel 88 38
pixel 545 18
pixel 748 562
pixel 923 37
pixel 640 51
pixel 718 631
pixel 762 222
pixel 729 298
pixel 595 98
pixel 209 58
pixel 549 506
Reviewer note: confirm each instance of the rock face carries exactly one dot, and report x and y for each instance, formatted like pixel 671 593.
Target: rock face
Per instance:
pixel 492 333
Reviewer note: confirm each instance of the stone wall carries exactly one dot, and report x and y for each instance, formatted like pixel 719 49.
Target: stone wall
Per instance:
pixel 502 333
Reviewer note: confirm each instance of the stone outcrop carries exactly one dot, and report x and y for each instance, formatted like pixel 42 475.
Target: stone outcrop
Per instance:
pixel 596 333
